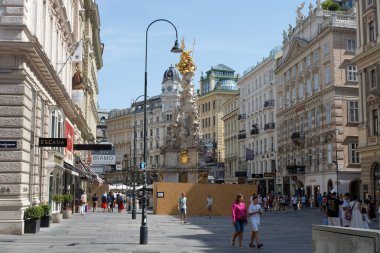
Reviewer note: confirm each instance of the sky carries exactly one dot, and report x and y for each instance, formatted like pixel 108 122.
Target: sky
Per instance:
pixel 235 33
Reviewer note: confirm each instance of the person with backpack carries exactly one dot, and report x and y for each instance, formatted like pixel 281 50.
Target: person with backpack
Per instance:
pixel 356 216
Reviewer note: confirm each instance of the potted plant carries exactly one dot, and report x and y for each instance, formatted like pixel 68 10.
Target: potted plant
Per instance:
pixel 67 199
pixel 32 217
pixel 46 218
pixel 57 217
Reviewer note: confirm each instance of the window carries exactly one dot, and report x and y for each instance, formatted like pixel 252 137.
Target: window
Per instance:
pixel 151 132
pixel 56 125
pixel 328 114
pixel 316 82
pixel 157 132
pixel 353 111
pixel 317 118
pixel 371 28
pixel 294 95
pixel 300 67
pixel 309 120
pixel 369 2
pixel 213 121
pixel 329 153
pixel 294 72
pixel 213 104
pixel 308 61
pixel 375 123
pixel 352 72
pixel 373 78
pixel 316 57
pixel 326 49
pixel 300 91
pixel 308 88
pixel 327 75
pixel 351 45
pixel 354 155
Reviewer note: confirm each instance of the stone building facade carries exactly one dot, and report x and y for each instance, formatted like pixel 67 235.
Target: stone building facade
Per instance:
pixel 231 142
pixel 368 61
pixel 258 147
pixel 317 106
pixel 44 92
pixel 216 87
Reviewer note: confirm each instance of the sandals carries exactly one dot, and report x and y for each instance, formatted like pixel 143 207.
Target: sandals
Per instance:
pixel 252 245
pixel 260 245
pixel 232 242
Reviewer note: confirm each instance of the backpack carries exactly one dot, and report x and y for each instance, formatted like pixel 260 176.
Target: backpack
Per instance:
pixel 348 213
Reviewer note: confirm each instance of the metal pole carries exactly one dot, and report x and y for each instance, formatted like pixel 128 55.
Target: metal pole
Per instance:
pixel 144 226
pixel 134 161
pixel 336 159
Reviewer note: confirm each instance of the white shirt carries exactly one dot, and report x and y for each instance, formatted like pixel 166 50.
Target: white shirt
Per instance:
pixel 254 208
pixel 209 202
pixel 182 202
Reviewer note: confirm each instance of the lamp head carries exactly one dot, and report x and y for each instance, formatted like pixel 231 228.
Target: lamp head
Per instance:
pixel 176 48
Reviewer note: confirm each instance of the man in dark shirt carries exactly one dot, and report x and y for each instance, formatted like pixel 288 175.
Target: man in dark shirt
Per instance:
pixel 332 207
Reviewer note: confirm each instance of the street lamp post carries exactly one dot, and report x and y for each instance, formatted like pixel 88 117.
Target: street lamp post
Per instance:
pixel 134 161
pixel 175 49
pixel 337 131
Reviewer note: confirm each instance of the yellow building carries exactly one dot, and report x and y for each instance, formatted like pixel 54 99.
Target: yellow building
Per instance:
pixel 218 86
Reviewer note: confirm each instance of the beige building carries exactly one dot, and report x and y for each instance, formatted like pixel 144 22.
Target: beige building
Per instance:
pixel 231 142
pixel 258 148
pixel 216 87
pixel 50 52
pixel 368 61
pixel 317 108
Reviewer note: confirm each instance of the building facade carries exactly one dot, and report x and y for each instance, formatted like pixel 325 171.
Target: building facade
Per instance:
pixel 368 61
pixel 216 87
pixel 231 142
pixel 50 53
pixel 317 106
pixel 124 125
pixel 258 147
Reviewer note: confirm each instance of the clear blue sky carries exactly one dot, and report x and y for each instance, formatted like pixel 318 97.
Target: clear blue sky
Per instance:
pixel 235 33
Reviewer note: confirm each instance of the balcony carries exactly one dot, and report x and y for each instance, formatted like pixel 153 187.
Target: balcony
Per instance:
pixel 298 138
pixel 255 129
pixel 269 126
pixel 269 103
pixel 242 135
pixel 295 169
pixel 241 116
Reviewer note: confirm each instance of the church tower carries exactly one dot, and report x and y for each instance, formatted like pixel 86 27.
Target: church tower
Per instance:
pixel 171 88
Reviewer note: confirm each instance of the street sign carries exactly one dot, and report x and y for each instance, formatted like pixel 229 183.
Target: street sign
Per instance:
pixel 52 142
pixel 270 174
pixel 103 157
pixel 92 146
pixel 8 144
pixel 240 174
pixel 257 175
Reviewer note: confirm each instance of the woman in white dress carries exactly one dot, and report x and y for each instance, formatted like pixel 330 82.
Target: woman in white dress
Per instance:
pixel 356 217
pixel 254 213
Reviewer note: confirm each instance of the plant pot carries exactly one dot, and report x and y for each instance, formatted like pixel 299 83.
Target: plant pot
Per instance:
pixel 56 217
pixel 67 213
pixel 32 226
pixel 45 221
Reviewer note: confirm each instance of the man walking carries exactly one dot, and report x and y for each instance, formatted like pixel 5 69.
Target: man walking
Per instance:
pixel 183 208
pixel 333 210
pixel 209 203
pixel 346 217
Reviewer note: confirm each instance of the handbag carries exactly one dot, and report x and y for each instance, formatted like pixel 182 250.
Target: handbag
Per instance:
pixel 348 213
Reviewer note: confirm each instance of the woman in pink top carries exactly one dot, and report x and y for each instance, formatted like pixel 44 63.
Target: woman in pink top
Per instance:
pixel 239 219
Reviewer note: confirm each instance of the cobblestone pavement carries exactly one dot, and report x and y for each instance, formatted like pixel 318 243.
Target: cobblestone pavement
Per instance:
pixel 117 232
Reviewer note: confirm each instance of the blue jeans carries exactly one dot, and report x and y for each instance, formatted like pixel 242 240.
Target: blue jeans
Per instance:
pixel 239 225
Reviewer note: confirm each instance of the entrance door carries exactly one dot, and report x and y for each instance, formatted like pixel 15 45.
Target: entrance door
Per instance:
pixel 316 191
pixel 355 189
pixel 329 186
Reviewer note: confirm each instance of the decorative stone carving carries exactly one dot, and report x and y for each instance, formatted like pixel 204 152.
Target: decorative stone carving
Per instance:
pixel 300 15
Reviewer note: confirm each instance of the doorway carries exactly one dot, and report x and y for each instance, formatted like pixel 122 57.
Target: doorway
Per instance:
pixel 355 189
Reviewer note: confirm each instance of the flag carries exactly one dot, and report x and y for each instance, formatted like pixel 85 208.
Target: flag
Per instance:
pixel 249 154
pixel 78 54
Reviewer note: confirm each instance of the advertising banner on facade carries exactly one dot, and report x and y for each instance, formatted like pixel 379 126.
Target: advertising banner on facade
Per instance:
pixel 104 157
pixel 69 135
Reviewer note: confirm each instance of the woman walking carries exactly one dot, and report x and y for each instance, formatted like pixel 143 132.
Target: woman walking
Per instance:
pixel 254 212
pixel 239 219
pixel 356 217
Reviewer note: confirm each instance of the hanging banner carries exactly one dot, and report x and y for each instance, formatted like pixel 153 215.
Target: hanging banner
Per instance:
pixel 69 135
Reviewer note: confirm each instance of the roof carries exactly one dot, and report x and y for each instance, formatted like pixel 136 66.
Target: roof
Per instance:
pixel 222 67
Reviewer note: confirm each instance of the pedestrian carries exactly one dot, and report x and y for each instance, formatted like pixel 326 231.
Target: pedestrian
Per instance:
pixel 254 212
pixel 112 201
pixel 319 200
pixel 356 216
pixel 332 207
pixel 182 207
pixel 366 219
pixel 303 201
pixel 295 202
pixel 83 200
pixel 275 204
pixel 209 203
pixel 119 201
pixel 239 219
pixel 346 210
pixel 104 202
pixel 94 202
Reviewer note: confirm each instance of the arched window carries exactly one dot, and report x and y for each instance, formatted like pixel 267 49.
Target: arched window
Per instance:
pixel 56 130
